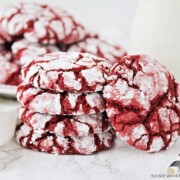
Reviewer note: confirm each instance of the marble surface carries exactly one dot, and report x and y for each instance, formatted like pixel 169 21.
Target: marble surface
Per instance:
pixel 119 163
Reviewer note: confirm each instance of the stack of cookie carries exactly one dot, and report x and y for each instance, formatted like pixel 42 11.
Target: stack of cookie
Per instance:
pixel 31 29
pixel 62 105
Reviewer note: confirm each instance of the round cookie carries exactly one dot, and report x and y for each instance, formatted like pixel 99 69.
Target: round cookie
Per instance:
pixel 73 72
pixel 54 144
pixel 80 125
pixel 98 47
pixel 59 103
pixel 9 73
pixel 41 23
pixel 5 54
pixel 23 50
pixel 140 97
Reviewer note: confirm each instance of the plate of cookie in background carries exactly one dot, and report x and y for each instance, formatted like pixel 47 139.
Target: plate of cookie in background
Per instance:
pixel 20 40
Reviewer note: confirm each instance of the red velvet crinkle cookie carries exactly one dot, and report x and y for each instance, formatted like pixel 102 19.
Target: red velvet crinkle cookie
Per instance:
pixel 9 73
pixel 98 48
pixel 23 50
pixel 41 23
pixel 66 125
pixel 73 72
pixel 5 54
pixel 51 143
pixel 59 103
pixel 140 100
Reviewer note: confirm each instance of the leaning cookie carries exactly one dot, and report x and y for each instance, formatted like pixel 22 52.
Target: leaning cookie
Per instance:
pixel 54 144
pixel 41 23
pixel 140 98
pixel 98 47
pixel 80 125
pixel 73 72
pixel 9 73
pixel 59 103
pixel 23 50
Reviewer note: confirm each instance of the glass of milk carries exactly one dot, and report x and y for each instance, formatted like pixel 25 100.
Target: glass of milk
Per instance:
pixel 8 121
pixel 156 32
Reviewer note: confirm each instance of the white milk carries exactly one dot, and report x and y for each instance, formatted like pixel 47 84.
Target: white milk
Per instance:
pixel 8 119
pixel 156 32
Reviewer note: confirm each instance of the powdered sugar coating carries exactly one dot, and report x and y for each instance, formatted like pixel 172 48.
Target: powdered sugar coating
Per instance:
pixel 24 51
pixel 41 23
pixel 9 73
pixel 59 103
pixel 98 47
pixel 140 98
pixel 74 72
pixel 81 125
pixel 51 143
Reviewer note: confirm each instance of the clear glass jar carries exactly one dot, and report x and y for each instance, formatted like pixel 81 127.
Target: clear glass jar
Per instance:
pixel 156 32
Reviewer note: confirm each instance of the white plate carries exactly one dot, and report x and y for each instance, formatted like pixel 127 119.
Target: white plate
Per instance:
pixel 8 90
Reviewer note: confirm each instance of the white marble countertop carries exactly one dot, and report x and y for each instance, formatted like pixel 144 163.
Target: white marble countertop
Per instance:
pixel 119 163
